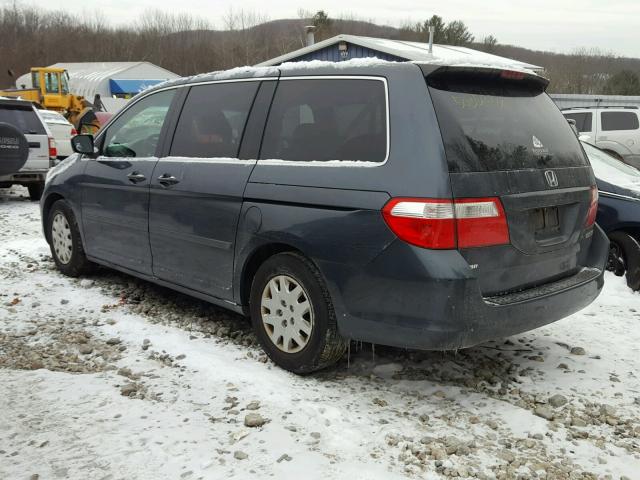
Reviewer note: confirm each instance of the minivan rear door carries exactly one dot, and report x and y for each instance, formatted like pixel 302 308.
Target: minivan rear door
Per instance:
pixel 505 138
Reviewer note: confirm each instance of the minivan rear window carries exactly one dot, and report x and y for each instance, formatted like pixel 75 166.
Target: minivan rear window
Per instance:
pixel 496 125
pixel 327 119
pixel 23 118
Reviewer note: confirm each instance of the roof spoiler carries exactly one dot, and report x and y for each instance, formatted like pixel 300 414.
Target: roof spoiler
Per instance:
pixel 433 73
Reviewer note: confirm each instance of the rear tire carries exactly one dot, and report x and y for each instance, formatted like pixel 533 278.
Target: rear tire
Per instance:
pixel 65 241
pixel 35 190
pixel 292 315
pixel 627 248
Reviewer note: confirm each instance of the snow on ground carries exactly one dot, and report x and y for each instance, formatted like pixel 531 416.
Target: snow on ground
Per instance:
pixel 110 377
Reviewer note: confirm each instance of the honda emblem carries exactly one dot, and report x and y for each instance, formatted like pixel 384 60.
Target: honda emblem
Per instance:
pixel 551 177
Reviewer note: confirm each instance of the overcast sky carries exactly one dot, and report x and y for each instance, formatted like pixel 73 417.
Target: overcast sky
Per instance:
pixel 555 25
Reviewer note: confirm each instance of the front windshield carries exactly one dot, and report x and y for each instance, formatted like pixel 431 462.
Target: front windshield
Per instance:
pixel 611 170
pixel 51 82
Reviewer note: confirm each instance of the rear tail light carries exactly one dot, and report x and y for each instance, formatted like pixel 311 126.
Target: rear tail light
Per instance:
pixel 422 222
pixel 481 222
pixel 74 132
pixel 447 224
pixel 593 207
pixel 53 151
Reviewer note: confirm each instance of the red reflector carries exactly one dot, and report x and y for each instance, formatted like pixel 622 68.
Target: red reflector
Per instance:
pixel 446 224
pixel 593 207
pixel 74 132
pixel 512 75
pixel 53 152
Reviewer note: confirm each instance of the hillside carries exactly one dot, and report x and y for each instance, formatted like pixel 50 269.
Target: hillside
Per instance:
pixel 189 45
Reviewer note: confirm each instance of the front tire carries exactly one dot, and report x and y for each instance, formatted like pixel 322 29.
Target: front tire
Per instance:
pixel 65 241
pixel 625 255
pixel 292 315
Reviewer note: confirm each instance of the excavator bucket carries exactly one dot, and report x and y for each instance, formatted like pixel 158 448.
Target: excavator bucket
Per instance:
pixel 86 121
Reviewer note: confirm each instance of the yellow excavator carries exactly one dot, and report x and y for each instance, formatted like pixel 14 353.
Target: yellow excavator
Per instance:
pixel 50 90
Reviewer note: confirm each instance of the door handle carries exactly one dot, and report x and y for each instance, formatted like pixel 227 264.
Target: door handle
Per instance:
pixel 167 180
pixel 136 177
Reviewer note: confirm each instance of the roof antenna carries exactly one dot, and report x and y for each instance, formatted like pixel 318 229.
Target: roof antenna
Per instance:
pixel 432 29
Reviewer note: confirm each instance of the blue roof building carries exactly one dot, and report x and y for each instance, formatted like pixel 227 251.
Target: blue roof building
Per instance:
pixel 346 47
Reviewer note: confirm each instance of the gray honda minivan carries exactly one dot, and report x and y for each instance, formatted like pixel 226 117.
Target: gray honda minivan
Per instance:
pixel 405 204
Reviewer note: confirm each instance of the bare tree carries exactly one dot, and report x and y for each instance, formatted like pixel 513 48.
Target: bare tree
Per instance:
pixel 188 44
pixel 489 44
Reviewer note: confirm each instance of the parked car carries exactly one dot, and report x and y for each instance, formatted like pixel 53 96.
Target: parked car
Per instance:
pixel 461 211
pixel 103 117
pixel 618 212
pixel 42 149
pixel 62 131
pixel 613 129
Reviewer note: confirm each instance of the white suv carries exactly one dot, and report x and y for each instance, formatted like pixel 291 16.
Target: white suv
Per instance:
pixel 613 129
pixel 42 148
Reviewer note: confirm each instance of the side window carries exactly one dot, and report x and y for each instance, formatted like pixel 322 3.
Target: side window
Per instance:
pixel 137 131
pixel 583 121
pixel 213 119
pixel 64 83
pixel 619 121
pixel 327 119
pixel 23 118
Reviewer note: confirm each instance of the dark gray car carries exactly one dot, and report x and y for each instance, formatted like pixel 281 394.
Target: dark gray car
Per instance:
pixel 420 206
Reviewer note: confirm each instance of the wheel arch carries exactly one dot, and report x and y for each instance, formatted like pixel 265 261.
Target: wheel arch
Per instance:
pixel 46 208
pixel 256 258
pixel 614 147
pixel 629 228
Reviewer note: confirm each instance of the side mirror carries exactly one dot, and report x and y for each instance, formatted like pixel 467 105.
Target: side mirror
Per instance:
pixel 83 144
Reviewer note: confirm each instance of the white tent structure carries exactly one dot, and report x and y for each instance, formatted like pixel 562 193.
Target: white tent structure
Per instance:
pixel 108 79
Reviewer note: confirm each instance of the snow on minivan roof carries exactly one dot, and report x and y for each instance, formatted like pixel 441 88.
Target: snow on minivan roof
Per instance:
pixel 274 71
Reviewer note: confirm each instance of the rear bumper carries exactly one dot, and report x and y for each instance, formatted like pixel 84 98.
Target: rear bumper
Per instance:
pixel 24 177
pixel 415 298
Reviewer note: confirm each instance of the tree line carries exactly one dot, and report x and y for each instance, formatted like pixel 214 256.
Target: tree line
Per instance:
pixel 188 44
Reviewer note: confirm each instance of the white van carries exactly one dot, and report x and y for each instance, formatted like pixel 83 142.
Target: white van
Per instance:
pixel 613 129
